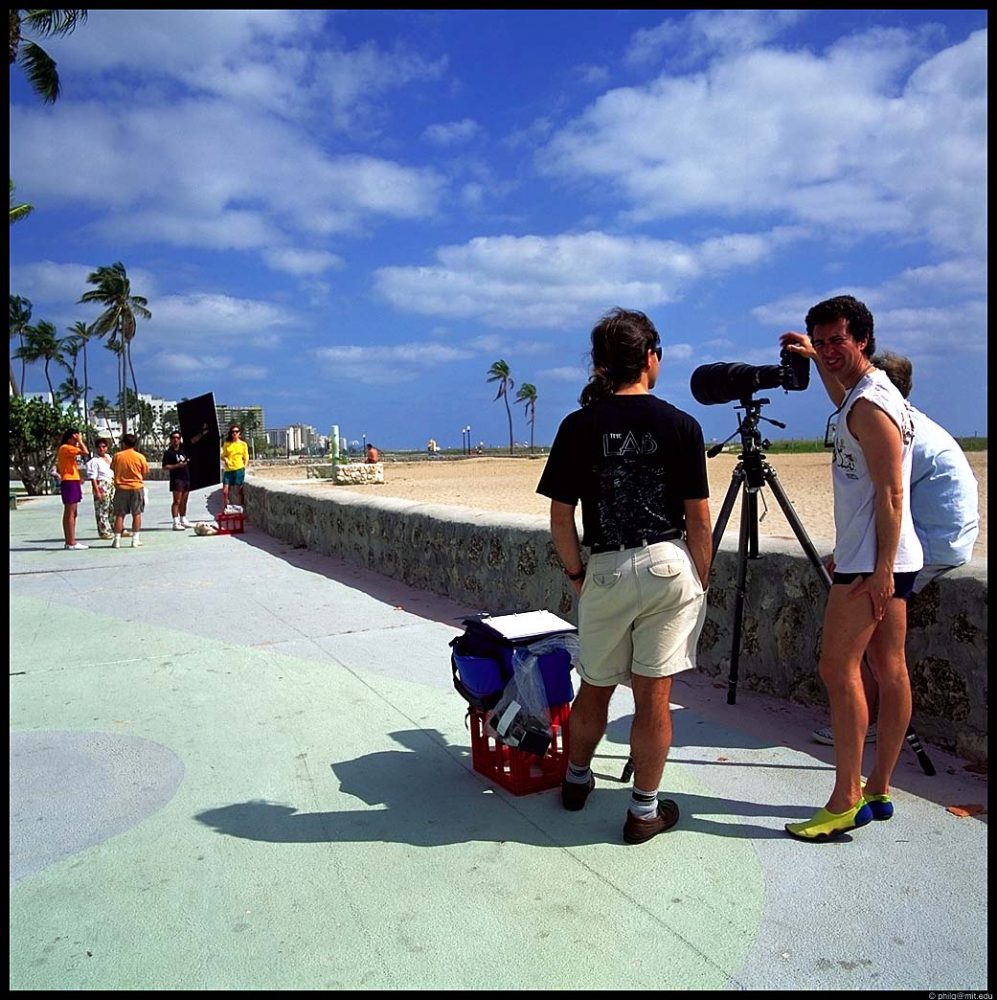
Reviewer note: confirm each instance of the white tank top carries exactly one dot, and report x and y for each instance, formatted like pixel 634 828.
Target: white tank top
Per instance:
pixel 854 495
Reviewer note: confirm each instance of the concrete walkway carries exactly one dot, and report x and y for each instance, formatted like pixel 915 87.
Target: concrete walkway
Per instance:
pixel 236 764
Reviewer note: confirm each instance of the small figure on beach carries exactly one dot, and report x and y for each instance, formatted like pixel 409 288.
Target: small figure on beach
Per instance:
pixel 101 477
pixel 177 464
pixel 71 449
pixel 130 469
pixel 235 460
pixel 373 455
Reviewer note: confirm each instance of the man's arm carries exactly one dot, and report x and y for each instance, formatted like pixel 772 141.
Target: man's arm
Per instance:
pixel 564 534
pixel 699 537
pixel 882 447
pixel 799 343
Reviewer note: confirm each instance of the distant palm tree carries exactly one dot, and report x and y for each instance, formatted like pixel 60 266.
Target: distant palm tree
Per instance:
pixel 527 395
pixel 38 65
pixel 102 407
pixel 19 211
pixel 499 372
pixel 80 333
pixel 41 344
pixel 117 322
pixel 20 318
pixel 70 391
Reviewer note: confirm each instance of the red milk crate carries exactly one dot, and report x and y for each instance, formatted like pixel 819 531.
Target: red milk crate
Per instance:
pixel 231 524
pixel 516 771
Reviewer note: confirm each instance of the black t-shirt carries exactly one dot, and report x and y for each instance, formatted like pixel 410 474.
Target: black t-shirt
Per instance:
pixel 632 461
pixel 171 457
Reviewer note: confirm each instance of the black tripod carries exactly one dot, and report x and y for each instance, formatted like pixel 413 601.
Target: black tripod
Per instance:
pixel 751 473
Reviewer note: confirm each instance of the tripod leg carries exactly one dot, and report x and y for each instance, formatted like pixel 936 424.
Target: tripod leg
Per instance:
pixel 922 758
pixel 797 525
pixel 804 539
pixel 740 586
pixel 736 479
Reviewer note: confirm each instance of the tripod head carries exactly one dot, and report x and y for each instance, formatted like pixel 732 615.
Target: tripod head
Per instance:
pixel 751 437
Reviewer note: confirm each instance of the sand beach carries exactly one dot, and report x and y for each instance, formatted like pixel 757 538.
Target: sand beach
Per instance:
pixel 509 484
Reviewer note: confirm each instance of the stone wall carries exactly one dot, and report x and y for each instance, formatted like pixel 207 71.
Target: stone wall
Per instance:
pixel 506 562
pixel 357 473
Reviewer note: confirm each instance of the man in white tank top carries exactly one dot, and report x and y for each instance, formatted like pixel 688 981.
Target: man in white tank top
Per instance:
pixel 877 556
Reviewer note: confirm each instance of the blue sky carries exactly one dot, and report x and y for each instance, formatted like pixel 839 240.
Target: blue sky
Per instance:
pixel 346 217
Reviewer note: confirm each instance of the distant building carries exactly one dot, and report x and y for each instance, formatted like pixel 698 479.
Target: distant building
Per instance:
pixel 294 439
pixel 234 414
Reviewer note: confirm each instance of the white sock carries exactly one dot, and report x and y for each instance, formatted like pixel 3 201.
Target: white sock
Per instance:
pixel 576 775
pixel 644 805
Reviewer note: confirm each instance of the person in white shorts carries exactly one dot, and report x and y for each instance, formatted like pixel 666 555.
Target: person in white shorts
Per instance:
pixel 637 465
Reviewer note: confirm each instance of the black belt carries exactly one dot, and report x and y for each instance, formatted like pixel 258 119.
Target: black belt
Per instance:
pixel 666 536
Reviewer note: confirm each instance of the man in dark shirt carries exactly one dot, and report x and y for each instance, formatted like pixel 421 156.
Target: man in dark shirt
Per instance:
pixel 175 461
pixel 638 466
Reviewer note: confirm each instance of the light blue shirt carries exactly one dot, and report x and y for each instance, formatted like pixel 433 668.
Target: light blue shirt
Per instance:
pixel 944 495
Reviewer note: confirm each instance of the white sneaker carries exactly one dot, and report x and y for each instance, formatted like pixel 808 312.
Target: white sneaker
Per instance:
pixel 116 544
pixel 137 543
pixel 826 735
pixel 76 545
pixel 177 526
pixel 184 523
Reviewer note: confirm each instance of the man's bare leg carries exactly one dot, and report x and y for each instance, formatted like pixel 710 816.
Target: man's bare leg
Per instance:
pixel 888 660
pixel 651 733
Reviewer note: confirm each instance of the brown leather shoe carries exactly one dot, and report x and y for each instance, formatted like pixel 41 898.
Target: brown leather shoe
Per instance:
pixel 636 831
pixel 573 795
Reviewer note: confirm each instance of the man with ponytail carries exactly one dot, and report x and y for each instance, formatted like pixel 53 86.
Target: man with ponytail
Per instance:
pixel 637 465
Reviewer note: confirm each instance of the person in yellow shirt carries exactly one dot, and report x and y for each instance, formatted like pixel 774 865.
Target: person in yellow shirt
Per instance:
pixel 130 469
pixel 71 448
pixel 235 458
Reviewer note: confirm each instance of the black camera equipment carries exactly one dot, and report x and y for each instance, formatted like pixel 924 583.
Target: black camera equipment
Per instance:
pixel 722 383
pixel 726 381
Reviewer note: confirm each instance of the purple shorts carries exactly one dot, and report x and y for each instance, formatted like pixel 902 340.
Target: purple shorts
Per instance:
pixel 71 490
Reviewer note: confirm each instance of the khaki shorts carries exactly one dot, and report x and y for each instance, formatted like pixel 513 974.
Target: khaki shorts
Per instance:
pixel 640 612
pixel 128 502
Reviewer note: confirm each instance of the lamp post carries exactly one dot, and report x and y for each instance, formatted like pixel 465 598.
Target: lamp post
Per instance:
pixel 467 447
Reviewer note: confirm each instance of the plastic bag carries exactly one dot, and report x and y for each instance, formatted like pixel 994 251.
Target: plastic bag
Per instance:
pixel 521 717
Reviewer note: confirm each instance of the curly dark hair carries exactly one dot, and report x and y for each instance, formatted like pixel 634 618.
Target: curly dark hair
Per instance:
pixel 855 313
pixel 620 342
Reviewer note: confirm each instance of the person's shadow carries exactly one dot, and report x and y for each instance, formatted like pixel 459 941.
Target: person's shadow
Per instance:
pixel 427 795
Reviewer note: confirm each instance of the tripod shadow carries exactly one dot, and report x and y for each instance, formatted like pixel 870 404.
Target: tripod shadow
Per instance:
pixel 426 795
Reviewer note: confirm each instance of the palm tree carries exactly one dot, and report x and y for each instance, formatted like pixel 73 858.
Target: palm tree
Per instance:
pixel 80 334
pixel 20 318
pixel 499 372
pixel 70 391
pixel 102 407
pixel 20 211
pixel 114 291
pixel 527 395
pixel 41 343
pixel 38 65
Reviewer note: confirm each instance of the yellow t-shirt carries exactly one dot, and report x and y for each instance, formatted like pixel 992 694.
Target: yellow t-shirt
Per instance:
pixel 235 455
pixel 65 462
pixel 130 469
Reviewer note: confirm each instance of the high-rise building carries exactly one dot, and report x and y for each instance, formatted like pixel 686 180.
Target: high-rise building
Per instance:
pixel 233 414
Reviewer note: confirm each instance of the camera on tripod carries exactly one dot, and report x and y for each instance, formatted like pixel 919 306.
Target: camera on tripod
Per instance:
pixel 725 381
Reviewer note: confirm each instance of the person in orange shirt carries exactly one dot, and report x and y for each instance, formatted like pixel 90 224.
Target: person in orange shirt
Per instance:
pixel 130 469
pixel 71 448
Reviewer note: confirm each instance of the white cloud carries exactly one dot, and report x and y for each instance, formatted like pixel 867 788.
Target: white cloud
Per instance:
pixel 559 281
pixel 452 133
pixel 705 32
pixel 302 262
pixel 852 139
pixel 204 174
